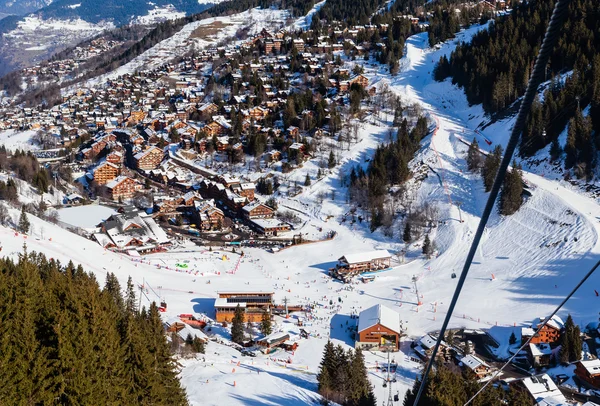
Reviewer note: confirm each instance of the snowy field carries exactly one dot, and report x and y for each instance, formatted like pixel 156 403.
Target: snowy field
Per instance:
pixel 86 217
pixel 13 140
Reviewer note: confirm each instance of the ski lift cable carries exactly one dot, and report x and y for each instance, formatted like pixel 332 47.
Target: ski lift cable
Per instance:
pixel 556 21
pixel 541 326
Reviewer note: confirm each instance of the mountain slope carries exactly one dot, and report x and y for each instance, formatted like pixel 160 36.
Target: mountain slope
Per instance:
pixel 20 7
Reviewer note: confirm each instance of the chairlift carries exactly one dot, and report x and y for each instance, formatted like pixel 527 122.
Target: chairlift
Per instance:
pixel 385 384
pixel 453 275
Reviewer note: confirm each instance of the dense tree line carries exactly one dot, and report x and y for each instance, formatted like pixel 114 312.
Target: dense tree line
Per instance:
pixel 343 377
pixel 65 340
pixel 447 385
pixel 352 12
pixel 26 167
pixel 494 69
pixel 511 192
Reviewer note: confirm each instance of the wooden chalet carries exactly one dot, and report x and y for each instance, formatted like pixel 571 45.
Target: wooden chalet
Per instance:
pixel 257 210
pixel 378 326
pixel 149 159
pixel 353 264
pixel 589 371
pixel 122 187
pixel 105 172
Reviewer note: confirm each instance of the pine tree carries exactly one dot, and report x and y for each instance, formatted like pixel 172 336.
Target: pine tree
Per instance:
pixel 490 167
pixel 326 371
pixel 23 222
pixel 265 323
pixel 511 194
pixel 474 156
pixel 512 339
pixel 307 180
pixel 571 339
pixel 237 325
pixel 331 161
pixel 407 234
pixel 360 391
pixel 428 247
pixel 555 150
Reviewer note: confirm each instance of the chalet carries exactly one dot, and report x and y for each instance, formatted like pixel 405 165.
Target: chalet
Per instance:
pixel 476 366
pixel 361 80
pixel 115 157
pixel 550 333
pixel 379 326
pixel 149 159
pixel 542 390
pixel 222 143
pixel 246 190
pixel 122 187
pixel 219 126
pixel 274 340
pixel 424 348
pixel 190 198
pixel 207 215
pixel 354 264
pixel 257 210
pixel 131 230
pixel 269 227
pixel 254 305
pixel 539 354
pixel 105 172
pixel 589 371
pixel 274 156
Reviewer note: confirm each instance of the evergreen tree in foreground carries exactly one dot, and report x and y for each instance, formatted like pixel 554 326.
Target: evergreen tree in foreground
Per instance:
pixel 65 341
pixel 343 377
pixel 237 325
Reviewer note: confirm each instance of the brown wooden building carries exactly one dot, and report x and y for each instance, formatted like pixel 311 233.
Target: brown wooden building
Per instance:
pixel 122 187
pixel 550 333
pixel 149 159
pixel 354 264
pixel 589 371
pixel 105 172
pixel 378 326
pixel 254 305
pixel 257 210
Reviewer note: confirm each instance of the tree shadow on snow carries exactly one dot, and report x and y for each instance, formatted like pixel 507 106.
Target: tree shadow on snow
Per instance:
pixel 559 278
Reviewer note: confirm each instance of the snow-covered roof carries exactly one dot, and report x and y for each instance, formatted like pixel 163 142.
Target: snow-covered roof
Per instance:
pixel 543 389
pixel 222 302
pixel 473 362
pixel 379 314
pixel 591 366
pixel 366 256
pixel 555 322
pixel 527 332
pixel 538 350
pixel 269 223
pixel 428 341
